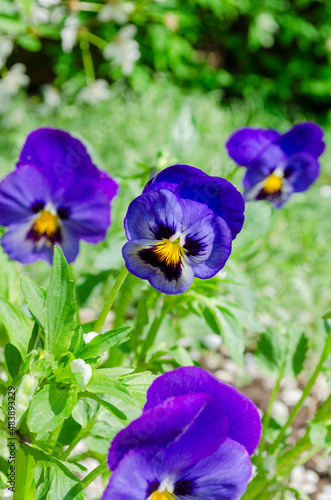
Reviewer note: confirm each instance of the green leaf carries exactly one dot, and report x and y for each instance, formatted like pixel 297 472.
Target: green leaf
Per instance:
pixel 54 480
pixel 327 315
pixel 84 412
pixel 104 341
pixel 24 394
pixel 13 359
pixel 299 355
pixel 267 355
pixel 109 407
pixel 320 434
pixel 35 299
pixel 211 319
pixel 100 383
pixel 60 307
pixel 54 405
pixel 29 42
pixel 181 356
pixel 138 384
pixel 232 337
pixel 17 325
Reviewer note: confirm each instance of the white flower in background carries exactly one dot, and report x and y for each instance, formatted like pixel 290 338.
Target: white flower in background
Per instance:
pixel 124 51
pixel 95 92
pixel 82 372
pixel 69 34
pixel 48 3
pixel 52 96
pixel 89 336
pixel 118 12
pixel 6 48
pixel 14 80
pixel 39 15
pixel 57 15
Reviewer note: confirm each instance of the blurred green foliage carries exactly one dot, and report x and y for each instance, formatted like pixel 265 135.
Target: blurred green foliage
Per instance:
pixel 278 49
pixel 279 270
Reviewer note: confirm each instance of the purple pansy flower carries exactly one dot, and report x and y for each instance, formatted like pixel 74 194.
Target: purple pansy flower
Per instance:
pixel 192 442
pixel 277 165
pixel 56 196
pixel 180 227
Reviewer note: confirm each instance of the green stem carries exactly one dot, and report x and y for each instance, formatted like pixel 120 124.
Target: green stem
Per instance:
pixel 94 474
pixel 35 337
pixel 311 453
pixel 87 61
pixel 72 276
pixel 152 332
pixel 305 394
pixel 267 415
pixel 54 436
pixel 93 39
pixel 106 308
pixel 24 476
pixel 324 410
pixel 81 434
pixel 90 7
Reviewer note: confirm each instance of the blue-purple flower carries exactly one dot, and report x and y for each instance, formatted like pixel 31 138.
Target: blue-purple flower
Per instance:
pixel 192 442
pixel 56 196
pixel 277 164
pixel 180 227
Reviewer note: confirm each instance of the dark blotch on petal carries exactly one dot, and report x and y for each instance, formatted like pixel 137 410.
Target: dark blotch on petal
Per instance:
pixel 184 487
pixel 36 236
pixel 171 272
pixel 63 213
pixel 37 206
pixel 163 230
pixel 272 197
pixel 152 487
pixel 193 247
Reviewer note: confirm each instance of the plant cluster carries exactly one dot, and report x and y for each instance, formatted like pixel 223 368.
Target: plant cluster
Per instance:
pixel 70 380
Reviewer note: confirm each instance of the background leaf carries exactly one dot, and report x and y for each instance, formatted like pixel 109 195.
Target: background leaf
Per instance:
pixel 60 307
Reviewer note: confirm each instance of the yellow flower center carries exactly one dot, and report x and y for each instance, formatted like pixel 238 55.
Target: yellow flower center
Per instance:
pixel 46 225
pixel 164 495
pixel 170 252
pixel 272 184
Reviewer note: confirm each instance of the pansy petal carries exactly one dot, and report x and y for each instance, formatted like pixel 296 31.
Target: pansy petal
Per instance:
pixel 278 198
pixel 69 244
pixel 305 138
pixel 56 153
pixel 245 144
pixel 64 160
pixel 23 249
pixel 170 177
pixel 301 171
pixel 156 214
pixel 221 476
pixel 219 195
pixel 242 414
pixel 108 185
pixel 140 260
pixel 137 476
pixel 272 157
pixel 220 251
pixel 19 193
pixel 158 426
pixel 86 212
pixel 199 440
